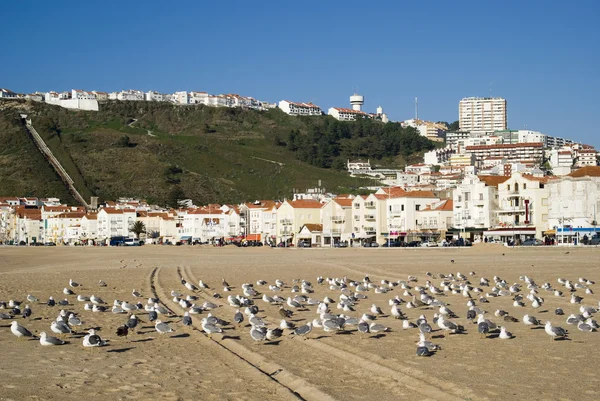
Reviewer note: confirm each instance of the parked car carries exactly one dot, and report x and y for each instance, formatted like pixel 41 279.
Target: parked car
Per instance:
pixel 50 244
pixel 304 244
pixel 413 244
pixel 392 244
pixel 131 242
pixel 595 240
pixel 532 242
pixel 429 244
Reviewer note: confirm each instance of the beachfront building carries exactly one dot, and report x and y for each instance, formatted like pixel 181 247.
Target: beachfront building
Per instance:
pixel 475 202
pixel 207 223
pixel 482 114
pixel 234 226
pixel 113 222
pixel 64 228
pixel 436 219
pixel 336 221
pixel 368 211
pixel 522 208
pixel 89 226
pixel 292 215
pixel 261 218
pixel 28 225
pixel 299 109
pixel 574 204
pixel 310 235
pixel 400 214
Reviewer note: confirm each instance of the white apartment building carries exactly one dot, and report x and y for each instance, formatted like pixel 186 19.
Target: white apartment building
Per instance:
pixel 401 208
pixel 100 95
pixel 182 97
pixel 343 114
pixel 82 95
pixel 336 221
pixel 28 226
pixel 475 201
pixel 299 109
pixel 198 98
pixel 437 157
pixel 131 95
pixel 114 222
pixel 406 180
pixel 153 96
pixel 452 138
pixel 482 114
pixel 436 219
pixel 586 157
pixel 512 152
pixel 64 228
pixel 369 218
pixel 89 226
pixel 574 204
pixel 429 129
pixel 261 220
pixel 203 223
pixel 555 142
pixel 217 101
pixel 7 94
pixel 522 207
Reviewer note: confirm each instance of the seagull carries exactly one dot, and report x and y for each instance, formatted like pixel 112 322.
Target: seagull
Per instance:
pixel 32 299
pixel 376 310
pixel 60 327
pixel 136 294
pixel 132 322
pixel 303 330
pixel 376 328
pixel 396 312
pixel 555 332
pixel 284 324
pixel 162 327
pixel 122 331
pixel 274 334
pixel 585 327
pixel 427 344
pixel 67 291
pixel 258 333
pixel 73 283
pixel 20 331
pixel 93 340
pixel 423 351
pixel 26 312
pixel 96 300
pixel 238 317
pixel 48 340
pixel 483 328
pixel 210 328
pixel 152 315
pixel 292 303
pixel 187 319
pixel 505 335
pixel 531 321
pixel 74 320
pixel 101 283
pixel 51 301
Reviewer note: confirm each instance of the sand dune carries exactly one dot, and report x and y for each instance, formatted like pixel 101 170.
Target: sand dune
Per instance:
pixel 187 364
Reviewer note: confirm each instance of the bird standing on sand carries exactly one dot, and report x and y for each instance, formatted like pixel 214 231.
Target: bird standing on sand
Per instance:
pixel 48 340
pixel 555 332
pixel 20 331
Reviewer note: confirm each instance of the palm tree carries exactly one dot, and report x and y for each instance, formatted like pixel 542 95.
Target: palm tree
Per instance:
pixel 138 228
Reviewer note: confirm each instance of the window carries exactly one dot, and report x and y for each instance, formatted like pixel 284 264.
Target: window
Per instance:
pixel 309 216
pixel 508 187
pixel 459 198
pixel 402 208
pixel 524 186
pixel 480 197
pixel 417 207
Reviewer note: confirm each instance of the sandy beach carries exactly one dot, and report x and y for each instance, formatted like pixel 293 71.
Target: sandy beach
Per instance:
pixel 187 364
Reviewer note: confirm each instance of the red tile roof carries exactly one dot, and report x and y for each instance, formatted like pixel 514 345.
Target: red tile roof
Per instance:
pixel 305 204
pixel 313 227
pixel 588 171
pixel 493 180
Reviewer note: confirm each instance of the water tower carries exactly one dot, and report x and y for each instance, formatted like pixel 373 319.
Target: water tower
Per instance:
pixel 357 101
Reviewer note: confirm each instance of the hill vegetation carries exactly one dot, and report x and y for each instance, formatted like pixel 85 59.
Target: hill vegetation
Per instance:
pixel 164 152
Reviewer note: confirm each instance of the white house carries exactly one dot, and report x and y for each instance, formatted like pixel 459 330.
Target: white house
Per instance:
pixel 261 220
pixel 299 109
pixel 7 94
pixel 82 95
pixel 436 219
pixel 475 203
pixel 336 220
pixel 574 204
pixel 153 96
pixel 522 208
pixel 292 215
pixel 114 222
pixel 343 114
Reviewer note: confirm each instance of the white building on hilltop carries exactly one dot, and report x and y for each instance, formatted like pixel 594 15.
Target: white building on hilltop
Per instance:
pixel 429 129
pixel 343 114
pixel 299 109
pixel 482 114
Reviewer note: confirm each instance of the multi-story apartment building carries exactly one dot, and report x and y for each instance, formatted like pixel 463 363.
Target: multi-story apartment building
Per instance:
pixel 261 220
pixel 114 222
pixel 336 220
pixel 293 215
pixel 343 114
pixel 368 218
pixel 522 207
pixel 153 96
pixel 586 157
pixel 574 204
pixel 299 109
pixel 82 95
pixel 436 219
pixel 475 201
pixel 452 138
pixel 482 114
pixel 429 129
pixel 512 152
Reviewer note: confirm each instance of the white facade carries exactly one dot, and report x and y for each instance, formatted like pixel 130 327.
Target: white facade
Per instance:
pixel 130 95
pixel 7 94
pixel 299 109
pixel 342 114
pixel 336 219
pixel 115 222
pixel 482 114
pixel 586 157
pixel 574 202
pixel 475 201
pixel 152 96
pixel 82 95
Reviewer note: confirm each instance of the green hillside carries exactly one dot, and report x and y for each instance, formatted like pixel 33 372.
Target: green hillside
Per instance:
pixel 160 151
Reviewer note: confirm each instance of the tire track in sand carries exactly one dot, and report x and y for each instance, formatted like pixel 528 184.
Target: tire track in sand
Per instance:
pixel 371 365
pixel 292 387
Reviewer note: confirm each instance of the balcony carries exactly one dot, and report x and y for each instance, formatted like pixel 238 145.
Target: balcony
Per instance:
pixel 369 217
pixel 286 222
pixel 336 230
pixel 370 205
pixel 337 219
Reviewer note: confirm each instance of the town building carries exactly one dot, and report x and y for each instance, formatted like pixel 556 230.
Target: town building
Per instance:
pixel 438 157
pixel 336 221
pixel 82 95
pixel 299 109
pixel 436 219
pixel 7 94
pixel 482 114
pixel 512 152
pixel 433 131
pixel 113 222
pixel 292 215
pixel 522 208
pixel 586 157
pixel 343 114
pixel 574 204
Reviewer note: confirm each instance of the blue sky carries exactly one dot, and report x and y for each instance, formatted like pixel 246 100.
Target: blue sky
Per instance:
pixel 542 56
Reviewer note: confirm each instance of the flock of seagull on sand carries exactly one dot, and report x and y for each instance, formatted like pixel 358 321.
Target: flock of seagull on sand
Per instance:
pixel 477 294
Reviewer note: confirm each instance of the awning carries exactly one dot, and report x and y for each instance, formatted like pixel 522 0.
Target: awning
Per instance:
pixel 511 232
pixel 549 232
pixel 186 238
pixel 253 237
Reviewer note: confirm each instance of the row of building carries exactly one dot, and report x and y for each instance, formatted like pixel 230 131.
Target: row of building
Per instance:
pixel 516 206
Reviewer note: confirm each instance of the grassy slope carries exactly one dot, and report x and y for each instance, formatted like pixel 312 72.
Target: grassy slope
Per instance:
pixel 219 150
pixel 23 169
